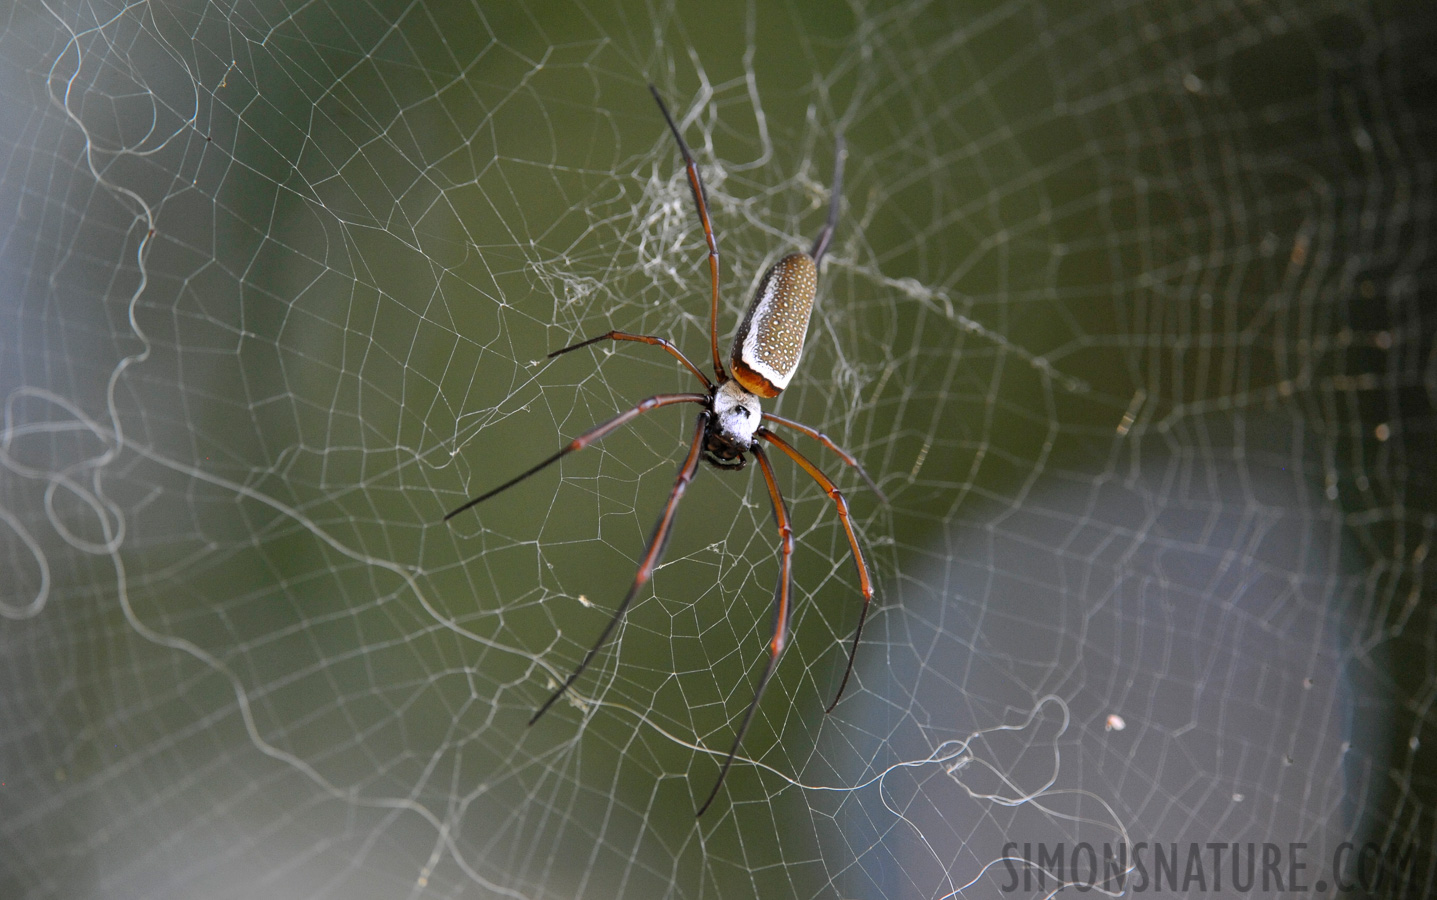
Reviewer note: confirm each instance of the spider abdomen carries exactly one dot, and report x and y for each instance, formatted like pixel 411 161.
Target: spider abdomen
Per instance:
pixel 769 341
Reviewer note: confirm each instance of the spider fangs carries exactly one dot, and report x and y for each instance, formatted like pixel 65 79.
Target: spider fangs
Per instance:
pixel 731 424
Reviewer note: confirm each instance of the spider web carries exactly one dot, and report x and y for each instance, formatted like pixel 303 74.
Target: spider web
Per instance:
pixel 1129 312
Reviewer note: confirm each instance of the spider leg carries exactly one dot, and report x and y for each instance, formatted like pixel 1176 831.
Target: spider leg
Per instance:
pixel 820 244
pixel 643 339
pixel 701 201
pixel 828 442
pixel 864 584
pixel 584 440
pixel 652 554
pixel 780 617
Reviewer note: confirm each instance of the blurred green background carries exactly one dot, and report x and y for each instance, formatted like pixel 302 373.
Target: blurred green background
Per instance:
pixel 280 287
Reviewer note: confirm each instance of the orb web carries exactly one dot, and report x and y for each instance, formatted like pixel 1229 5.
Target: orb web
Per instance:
pixel 1125 313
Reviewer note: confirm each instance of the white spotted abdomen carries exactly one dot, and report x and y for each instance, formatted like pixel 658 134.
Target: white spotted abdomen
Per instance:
pixel 769 342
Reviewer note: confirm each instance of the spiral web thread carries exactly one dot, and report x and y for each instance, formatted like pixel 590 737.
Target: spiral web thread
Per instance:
pixel 1125 313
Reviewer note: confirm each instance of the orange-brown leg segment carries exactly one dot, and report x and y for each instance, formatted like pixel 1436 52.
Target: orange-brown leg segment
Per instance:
pixel 864 584
pixel 835 196
pixel 828 442
pixel 584 440
pixel 642 339
pixel 781 610
pixel 701 201
pixel 652 554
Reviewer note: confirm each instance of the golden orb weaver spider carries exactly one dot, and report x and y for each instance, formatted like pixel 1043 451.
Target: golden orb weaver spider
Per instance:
pixel 766 351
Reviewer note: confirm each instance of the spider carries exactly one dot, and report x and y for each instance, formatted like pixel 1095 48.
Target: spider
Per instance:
pixel 731 423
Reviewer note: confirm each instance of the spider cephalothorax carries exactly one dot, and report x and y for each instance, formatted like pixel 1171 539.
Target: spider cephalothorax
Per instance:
pixel 730 431
pixel 732 424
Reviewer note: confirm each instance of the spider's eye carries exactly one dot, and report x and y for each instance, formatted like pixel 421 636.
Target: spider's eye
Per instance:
pixel 743 410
